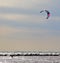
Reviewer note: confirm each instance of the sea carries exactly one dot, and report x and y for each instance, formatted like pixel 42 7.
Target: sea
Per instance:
pixel 29 59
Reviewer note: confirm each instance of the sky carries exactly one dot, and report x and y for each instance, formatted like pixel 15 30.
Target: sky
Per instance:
pixel 23 28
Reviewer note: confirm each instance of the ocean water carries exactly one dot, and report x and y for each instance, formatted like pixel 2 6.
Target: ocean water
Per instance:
pixel 30 59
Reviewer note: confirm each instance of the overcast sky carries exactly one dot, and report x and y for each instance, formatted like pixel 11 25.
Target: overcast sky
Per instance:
pixel 22 27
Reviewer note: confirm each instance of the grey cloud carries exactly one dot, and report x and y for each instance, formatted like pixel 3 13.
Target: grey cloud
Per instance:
pixel 51 25
pixel 18 10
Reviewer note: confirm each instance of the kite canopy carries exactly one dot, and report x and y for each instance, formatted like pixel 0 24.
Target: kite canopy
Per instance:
pixel 48 13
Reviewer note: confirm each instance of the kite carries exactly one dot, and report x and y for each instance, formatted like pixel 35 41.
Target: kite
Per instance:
pixel 48 13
